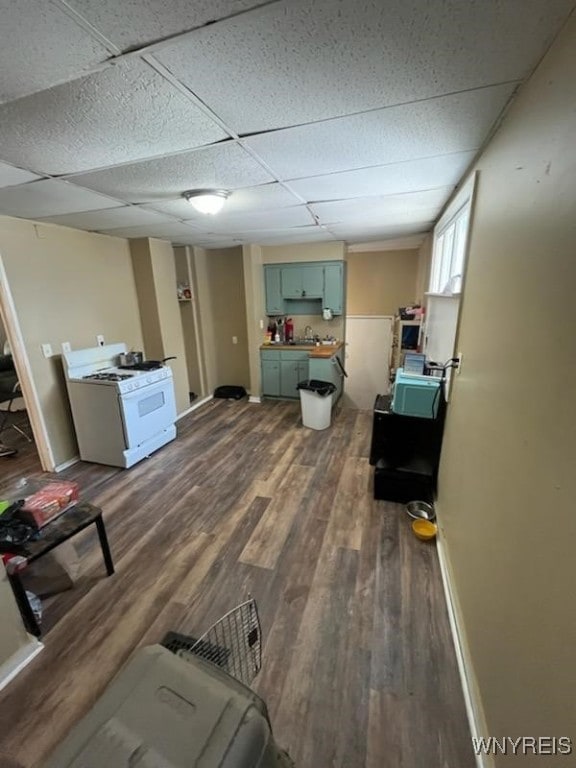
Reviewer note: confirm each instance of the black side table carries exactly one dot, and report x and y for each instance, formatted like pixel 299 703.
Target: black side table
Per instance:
pixel 405 451
pixel 64 527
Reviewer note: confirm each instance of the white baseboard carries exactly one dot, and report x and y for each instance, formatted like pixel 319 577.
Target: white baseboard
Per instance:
pixel 199 404
pixel 254 399
pixel 66 464
pixel 472 700
pixel 18 661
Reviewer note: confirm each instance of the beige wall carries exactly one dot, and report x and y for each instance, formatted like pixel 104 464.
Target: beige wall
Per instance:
pixel 284 254
pixel 506 500
pixel 379 282
pixel 222 310
pixel 156 283
pixel 70 286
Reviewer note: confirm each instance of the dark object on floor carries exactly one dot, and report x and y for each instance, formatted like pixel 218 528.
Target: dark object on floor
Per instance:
pixel 6 451
pixel 229 392
pixel 402 484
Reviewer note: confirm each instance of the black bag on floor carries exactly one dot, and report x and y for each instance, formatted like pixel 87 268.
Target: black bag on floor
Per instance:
pixel 229 392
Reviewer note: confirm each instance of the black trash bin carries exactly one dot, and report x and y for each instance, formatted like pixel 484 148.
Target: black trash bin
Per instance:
pixel 316 402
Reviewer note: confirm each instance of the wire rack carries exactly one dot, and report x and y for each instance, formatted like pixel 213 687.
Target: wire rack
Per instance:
pixel 233 643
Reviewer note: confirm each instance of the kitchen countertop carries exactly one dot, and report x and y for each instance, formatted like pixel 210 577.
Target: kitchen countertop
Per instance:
pixel 323 351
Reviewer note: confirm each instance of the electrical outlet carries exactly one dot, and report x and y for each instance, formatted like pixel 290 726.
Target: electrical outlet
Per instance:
pixel 66 346
pixel 234 339
pixel 47 350
pixel 100 340
pixel 458 365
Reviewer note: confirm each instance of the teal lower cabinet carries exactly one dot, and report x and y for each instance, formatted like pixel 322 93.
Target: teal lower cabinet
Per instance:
pixel 292 372
pixel 281 373
pixel 270 367
pixel 328 370
pixel 271 377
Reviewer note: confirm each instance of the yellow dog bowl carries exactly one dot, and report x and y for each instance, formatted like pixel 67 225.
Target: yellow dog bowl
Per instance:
pixel 424 529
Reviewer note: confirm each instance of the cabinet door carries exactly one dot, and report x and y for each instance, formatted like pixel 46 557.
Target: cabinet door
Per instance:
pixel 312 282
pixel 271 377
pixel 289 371
pixel 334 288
pixel 327 370
pixel 292 282
pixel 274 301
pixel 303 372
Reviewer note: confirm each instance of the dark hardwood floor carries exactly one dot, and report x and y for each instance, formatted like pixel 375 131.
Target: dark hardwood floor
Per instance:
pixel 359 669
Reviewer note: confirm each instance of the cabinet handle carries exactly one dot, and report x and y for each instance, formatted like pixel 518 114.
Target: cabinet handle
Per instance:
pixel 303 293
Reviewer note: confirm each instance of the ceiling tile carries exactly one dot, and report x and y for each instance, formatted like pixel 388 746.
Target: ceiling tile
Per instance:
pixel 41 46
pixel 385 211
pixel 225 166
pixel 213 243
pixel 396 178
pixel 127 216
pixel 265 197
pixel 168 231
pixel 134 23
pixel 50 198
pixel 282 218
pixel 306 60
pixel 123 113
pixel 456 123
pixel 361 234
pixel 281 236
pixel 10 176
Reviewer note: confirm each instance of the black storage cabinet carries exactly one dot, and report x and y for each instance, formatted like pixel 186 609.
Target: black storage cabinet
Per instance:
pixel 405 453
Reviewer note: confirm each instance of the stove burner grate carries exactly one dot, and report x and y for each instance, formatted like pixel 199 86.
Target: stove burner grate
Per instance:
pixel 108 376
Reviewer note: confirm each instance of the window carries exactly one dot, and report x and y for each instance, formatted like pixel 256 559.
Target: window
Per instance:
pixel 448 261
pixel 450 240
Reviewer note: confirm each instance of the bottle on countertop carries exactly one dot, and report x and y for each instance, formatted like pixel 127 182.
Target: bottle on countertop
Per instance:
pixel 281 329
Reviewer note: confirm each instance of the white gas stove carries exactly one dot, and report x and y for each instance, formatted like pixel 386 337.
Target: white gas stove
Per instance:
pixel 121 415
pixel 126 380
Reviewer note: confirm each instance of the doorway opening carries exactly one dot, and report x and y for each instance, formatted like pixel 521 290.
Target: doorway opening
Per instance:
pixel 21 422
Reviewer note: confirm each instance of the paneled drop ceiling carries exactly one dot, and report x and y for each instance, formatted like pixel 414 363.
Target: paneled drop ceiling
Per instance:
pixel 326 119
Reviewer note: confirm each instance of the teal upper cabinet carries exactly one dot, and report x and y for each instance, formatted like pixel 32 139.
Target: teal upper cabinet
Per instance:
pixel 304 288
pixel 274 300
pixel 334 288
pixel 302 281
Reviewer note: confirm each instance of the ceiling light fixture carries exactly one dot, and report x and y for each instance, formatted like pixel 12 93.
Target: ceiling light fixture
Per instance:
pixel 207 200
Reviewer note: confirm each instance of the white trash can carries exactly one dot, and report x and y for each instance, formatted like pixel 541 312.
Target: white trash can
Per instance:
pixel 316 402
